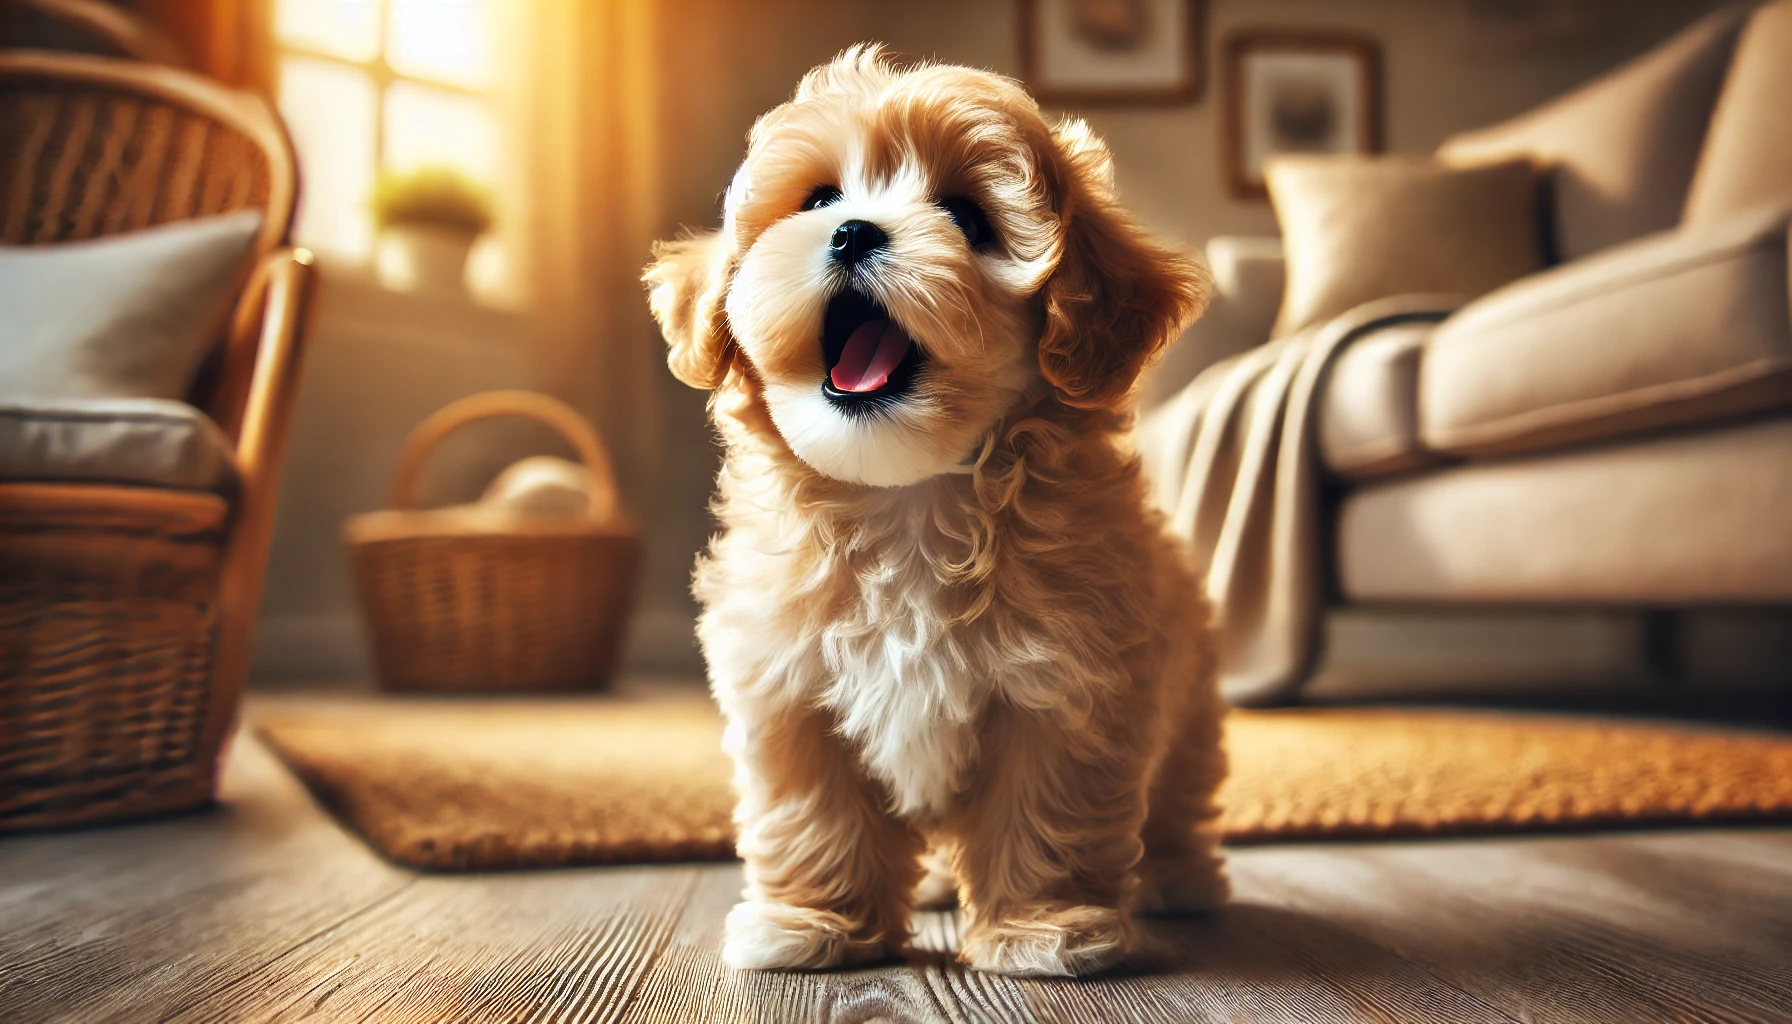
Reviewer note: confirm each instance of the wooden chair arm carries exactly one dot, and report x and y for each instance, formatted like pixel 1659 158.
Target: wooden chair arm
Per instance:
pixel 290 278
pixel 267 413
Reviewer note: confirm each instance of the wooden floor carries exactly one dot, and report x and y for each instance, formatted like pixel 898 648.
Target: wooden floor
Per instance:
pixel 264 910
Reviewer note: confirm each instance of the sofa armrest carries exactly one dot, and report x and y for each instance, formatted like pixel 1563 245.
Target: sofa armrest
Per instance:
pixel 1249 273
pixel 1247 292
pixel 1680 327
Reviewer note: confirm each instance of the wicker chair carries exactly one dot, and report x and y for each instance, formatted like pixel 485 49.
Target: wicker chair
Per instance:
pixel 86 26
pixel 126 612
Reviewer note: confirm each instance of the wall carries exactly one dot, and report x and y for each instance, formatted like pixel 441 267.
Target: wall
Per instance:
pixel 1446 66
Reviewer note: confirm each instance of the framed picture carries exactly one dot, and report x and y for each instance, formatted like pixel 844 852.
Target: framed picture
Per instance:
pixel 1298 93
pixel 1081 52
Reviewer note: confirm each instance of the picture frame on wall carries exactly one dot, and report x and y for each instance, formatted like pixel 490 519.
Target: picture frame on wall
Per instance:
pixel 1087 52
pixel 1297 93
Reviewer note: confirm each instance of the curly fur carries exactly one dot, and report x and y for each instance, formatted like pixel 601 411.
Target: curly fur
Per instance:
pixel 955 630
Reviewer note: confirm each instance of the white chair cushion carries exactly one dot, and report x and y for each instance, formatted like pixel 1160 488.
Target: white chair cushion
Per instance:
pixel 130 316
pixel 145 441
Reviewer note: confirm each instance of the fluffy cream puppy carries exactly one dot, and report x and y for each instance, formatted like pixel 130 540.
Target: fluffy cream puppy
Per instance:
pixel 940 616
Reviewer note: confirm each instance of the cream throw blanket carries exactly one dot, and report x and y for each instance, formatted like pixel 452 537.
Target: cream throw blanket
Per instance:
pixel 1233 464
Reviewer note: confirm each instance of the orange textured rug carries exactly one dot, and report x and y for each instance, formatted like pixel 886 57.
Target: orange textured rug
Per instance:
pixel 466 786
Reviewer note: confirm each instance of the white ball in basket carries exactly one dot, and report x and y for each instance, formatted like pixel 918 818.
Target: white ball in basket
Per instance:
pixel 543 485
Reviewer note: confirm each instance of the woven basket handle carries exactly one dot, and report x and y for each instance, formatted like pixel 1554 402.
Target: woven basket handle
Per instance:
pixel 489 404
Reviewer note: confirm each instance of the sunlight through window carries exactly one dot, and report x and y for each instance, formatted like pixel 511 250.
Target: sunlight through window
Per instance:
pixel 385 85
pixel 331 112
pixel 347 29
pixel 431 127
pixel 440 39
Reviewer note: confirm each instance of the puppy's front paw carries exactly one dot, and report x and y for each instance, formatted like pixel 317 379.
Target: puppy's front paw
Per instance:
pixel 775 936
pixel 1070 942
pixel 1173 887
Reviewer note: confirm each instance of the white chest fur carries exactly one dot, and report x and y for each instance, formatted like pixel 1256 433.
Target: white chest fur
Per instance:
pixel 905 688
pixel 904 681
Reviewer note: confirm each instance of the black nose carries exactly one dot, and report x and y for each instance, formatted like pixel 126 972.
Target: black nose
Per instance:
pixel 856 239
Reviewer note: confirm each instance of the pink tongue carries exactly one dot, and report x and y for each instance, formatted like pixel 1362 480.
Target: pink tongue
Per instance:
pixel 870 355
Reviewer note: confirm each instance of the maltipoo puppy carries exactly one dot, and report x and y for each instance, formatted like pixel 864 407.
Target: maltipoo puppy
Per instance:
pixel 942 623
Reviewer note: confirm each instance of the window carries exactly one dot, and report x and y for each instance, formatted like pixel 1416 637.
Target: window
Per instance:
pixel 388 85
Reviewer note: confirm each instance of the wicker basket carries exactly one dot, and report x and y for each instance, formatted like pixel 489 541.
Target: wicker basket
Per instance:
pixel 479 600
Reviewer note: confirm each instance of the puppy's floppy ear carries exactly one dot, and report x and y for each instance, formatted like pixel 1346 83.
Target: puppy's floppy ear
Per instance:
pixel 1116 298
pixel 687 287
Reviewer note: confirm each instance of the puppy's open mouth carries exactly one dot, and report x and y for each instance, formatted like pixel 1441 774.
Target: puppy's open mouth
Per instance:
pixel 870 359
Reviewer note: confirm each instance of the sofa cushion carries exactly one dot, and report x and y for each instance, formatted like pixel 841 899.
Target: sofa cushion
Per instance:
pixel 1358 229
pixel 128 316
pixel 149 441
pixel 1747 159
pixel 1684 326
pixel 1621 148
pixel 1368 416
pixel 1694 516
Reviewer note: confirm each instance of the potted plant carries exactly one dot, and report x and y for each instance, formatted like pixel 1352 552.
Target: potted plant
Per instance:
pixel 428 221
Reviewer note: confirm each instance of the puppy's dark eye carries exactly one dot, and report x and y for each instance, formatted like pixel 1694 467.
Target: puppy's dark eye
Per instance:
pixel 970 220
pixel 824 195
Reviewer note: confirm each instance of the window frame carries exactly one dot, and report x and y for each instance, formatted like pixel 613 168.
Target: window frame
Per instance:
pixel 382 76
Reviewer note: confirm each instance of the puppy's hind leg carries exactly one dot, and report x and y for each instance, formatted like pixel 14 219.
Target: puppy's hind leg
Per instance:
pixel 829 871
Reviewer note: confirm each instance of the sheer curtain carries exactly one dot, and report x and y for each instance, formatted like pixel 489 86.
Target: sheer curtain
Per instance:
pixel 230 40
pixel 582 103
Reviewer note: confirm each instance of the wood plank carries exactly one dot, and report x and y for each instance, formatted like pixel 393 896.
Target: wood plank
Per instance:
pixel 132 922
pixel 511 947
pixel 1544 928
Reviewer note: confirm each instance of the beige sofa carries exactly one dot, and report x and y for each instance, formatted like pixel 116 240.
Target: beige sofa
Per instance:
pixel 1614 432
